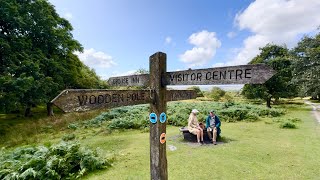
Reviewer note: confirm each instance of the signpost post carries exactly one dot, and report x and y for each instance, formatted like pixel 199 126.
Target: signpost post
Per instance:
pixel 158 156
pixel 85 99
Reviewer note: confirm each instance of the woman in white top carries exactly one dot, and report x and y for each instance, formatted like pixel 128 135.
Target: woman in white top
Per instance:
pixel 193 126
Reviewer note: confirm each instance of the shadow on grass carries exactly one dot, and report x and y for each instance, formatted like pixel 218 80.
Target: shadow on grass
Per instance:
pixel 179 139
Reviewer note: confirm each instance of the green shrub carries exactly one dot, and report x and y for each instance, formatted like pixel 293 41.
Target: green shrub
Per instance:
pixel 137 117
pixel 68 137
pixel 66 160
pixel 235 114
pixel 216 93
pixel 229 98
pixel 295 120
pixel 197 90
pixel 130 121
pixel 288 125
pixel 270 112
pixel 287 122
pixel 121 123
pixel 178 119
pixel 251 116
pixel 73 126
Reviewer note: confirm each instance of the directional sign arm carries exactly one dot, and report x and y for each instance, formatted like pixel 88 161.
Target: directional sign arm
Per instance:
pixel 244 74
pixel 71 100
pixel 177 95
pixel 133 80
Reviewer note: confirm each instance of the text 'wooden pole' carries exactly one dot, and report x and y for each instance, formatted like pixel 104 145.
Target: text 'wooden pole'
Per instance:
pixel 158 156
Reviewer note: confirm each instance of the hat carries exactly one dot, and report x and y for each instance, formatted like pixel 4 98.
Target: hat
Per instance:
pixel 194 111
pixel 211 111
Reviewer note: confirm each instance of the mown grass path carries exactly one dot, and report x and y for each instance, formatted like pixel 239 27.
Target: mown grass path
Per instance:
pixel 315 107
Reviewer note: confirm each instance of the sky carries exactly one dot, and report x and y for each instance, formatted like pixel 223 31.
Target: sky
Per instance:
pixel 119 36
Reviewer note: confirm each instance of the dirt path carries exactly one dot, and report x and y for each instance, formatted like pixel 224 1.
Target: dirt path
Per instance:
pixel 315 110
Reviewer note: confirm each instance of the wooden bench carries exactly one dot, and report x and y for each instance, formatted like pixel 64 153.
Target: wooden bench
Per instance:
pixel 187 136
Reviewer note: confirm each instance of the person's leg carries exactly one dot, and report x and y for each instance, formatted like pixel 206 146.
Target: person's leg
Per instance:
pixel 214 133
pixel 209 134
pixel 201 134
pixel 198 135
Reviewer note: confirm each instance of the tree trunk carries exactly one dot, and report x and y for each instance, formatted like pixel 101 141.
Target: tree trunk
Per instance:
pixel 50 109
pixel 27 112
pixel 269 102
pixel 276 100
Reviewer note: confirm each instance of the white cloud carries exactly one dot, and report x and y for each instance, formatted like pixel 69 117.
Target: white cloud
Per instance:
pixel 168 40
pixel 218 65
pixel 231 34
pixel 128 73
pixel 96 59
pixel 205 44
pixel 275 21
pixel 68 15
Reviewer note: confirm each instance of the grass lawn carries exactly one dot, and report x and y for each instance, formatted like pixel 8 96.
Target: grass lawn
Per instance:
pixel 257 150
pixel 253 150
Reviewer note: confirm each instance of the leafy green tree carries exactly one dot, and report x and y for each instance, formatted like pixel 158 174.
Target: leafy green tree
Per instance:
pixel 197 89
pixel 36 55
pixel 216 93
pixel 307 66
pixel 142 71
pixel 280 84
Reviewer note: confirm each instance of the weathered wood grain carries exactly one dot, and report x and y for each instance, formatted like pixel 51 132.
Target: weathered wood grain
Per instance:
pixel 158 154
pixel 177 95
pixel 244 74
pixel 133 80
pixel 71 100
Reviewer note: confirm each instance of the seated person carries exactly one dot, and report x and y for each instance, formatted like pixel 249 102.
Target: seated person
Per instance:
pixel 193 125
pixel 213 126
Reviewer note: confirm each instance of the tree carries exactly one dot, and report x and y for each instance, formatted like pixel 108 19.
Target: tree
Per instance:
pixel 141 71
pixel 36 55
pixel 197 90
pixel 307 66
pixel 216 93
pixel 280 84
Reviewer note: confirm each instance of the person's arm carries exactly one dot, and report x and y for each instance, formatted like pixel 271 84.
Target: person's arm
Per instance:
pixel 190 122
pixel 197 123
pixel 218 123
pixel 208 122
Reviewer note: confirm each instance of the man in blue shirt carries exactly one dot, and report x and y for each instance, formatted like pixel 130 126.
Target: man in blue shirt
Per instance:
pixel 213 126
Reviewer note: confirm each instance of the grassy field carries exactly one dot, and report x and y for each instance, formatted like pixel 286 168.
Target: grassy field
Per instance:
pixel 252 150
pixel 257 150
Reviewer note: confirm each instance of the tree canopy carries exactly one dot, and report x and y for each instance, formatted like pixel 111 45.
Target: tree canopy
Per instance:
pixel 197 90
pixel 216 93
pixel 279 85
pixel 36 55
pixel 306 67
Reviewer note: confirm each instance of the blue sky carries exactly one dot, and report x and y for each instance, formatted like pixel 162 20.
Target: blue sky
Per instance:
pixel 118 36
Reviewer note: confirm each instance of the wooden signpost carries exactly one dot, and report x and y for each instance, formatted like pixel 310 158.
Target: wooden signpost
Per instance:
pixel 82 100
pixel 243 74
pixel 71 100
pixel 76 100
pixel 133 80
